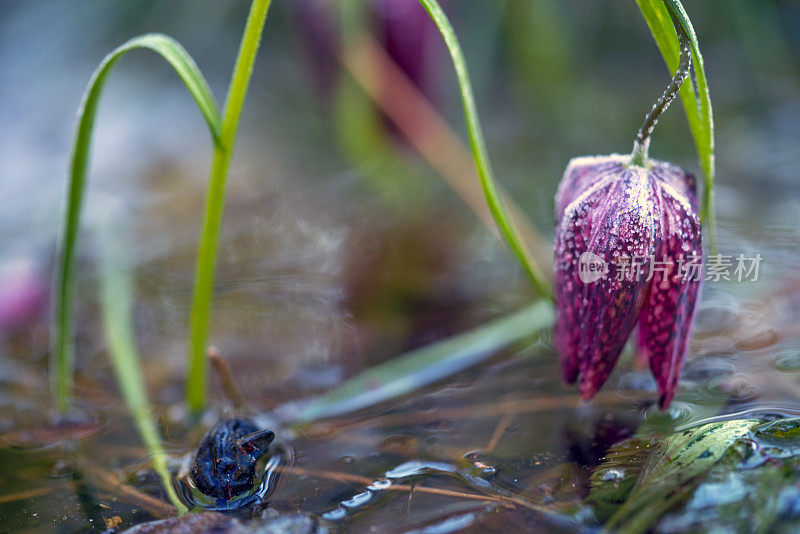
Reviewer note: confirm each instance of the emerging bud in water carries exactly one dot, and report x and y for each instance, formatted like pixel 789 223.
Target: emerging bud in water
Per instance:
pixel 643 221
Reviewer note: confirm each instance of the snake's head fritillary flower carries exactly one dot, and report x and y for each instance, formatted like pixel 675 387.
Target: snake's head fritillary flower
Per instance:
pixel 625 235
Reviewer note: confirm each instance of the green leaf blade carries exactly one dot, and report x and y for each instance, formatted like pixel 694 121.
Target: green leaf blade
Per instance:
pixel 62 352
pixel 490 189
pixel 116 303
pixel 426 365
pixel 672 471
pixel 197 369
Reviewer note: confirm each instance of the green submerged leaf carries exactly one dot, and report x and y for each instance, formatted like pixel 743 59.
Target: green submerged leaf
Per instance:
pixel 687 453
pixel 426 365
pixel 612 482
pixel 652 478
pixel 730 476
pixel 754 488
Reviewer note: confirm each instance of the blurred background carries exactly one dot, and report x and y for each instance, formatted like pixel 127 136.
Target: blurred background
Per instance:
pixel 348 235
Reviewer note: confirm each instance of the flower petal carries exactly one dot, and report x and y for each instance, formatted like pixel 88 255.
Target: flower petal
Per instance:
pixel 581 174
pixel 570 243
pixel 680 183
pixel 668 312
pixel 614 217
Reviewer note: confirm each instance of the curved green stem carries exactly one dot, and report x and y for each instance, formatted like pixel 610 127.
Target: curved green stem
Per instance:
pixel 491 192
pixel 642 143
pixel 62 353
pixel 660 15
pixel 197 376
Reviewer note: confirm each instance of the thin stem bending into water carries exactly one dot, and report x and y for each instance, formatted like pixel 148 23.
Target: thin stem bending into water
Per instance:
pixel 197 376
pixel 642 143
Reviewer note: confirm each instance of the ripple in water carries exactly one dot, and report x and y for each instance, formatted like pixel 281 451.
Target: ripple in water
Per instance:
pixel 401 474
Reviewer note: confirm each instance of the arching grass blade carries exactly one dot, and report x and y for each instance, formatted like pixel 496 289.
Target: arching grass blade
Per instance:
pixel 62 350
pixel 540 281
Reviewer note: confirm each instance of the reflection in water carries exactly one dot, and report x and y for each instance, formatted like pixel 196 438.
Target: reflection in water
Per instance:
pixel 403 474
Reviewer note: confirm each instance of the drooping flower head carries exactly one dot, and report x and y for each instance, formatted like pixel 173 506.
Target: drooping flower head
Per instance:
pixel 628 255
pixel 628 241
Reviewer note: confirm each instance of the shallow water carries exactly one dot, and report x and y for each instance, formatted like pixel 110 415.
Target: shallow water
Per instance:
pixel 495 445
pixel 323 273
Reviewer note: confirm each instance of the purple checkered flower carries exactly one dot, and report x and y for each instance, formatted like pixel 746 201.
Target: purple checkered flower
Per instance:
pixel 609 210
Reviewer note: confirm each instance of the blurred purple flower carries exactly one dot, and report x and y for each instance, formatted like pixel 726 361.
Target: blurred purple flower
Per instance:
pixel 405 30
pixel 24 291
pixel 609 212
pixel 402 27
pixel 319 34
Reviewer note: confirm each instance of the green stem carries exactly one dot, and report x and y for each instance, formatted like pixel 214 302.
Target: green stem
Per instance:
pixel 223 152
pixel 642 143
pixel 661 17
pixel 480 155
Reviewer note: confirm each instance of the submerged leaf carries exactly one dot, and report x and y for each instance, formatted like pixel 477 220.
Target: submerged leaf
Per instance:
pixel 424 366
pixel 688 453
pixel 752 489
pixel 731 476
pixel 612 482
pixel 666 478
